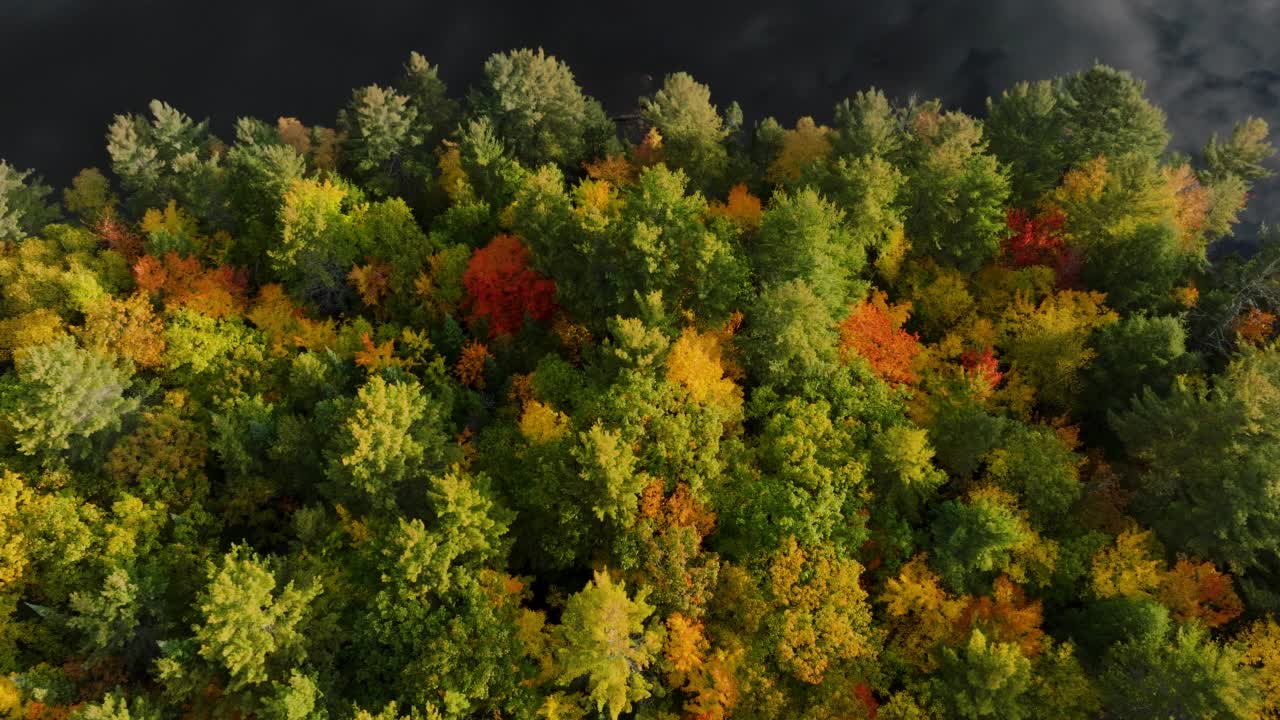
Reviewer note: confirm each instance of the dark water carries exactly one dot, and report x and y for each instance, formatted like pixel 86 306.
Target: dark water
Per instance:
pixel 67 65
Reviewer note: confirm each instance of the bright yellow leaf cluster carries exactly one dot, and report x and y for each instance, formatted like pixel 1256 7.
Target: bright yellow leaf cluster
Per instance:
pixel 695 363
pixel 542 423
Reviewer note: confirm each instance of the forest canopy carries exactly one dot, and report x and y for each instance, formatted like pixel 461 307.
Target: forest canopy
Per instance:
pixel 486 404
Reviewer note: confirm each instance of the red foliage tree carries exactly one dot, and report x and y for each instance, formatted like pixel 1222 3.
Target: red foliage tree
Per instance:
pixel 1039 240
pixel 503 290
pixel 982 367
pixel 873 330
pixel 867 697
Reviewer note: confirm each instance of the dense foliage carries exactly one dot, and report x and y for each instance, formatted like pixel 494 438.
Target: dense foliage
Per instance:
pixel 483 406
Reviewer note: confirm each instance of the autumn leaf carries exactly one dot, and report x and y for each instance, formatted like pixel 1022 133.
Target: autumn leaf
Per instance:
pixel 376 357
pixel 372 281
pixel 502 290
pixel 873 330
pixel 471 365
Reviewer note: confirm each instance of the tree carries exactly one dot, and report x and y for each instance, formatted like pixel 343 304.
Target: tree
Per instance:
pixel 437 113
pixel 1103 112
pixel 873 331
pixel 250 629
pixel 163 459
pixel 536 107
pixel 612 252
pixel 118 707
pixel 808 143
pixel 503 291
pixel 866 125
pixel 1024 128
pixel 169 157
pixel 23 209
pixel 90 197
pixel 1198 592
pixel 1207 459
pixel 699 362
pixel 984 679
pixel 803 237
pixel 60 397
pixel 975 539
pixel 126 327
pixel 1260 643
pixel 1137 352
pixel 1138 272
pixel 382 134
pixel 808 484
pixel 1129 568
pixel 1036 464
pixel 1049 344
pixel 315 251
pixel 691 127
pixel 1242 155
pixel 789 338
pixel 956 192
pixel 820 616
pixel 902 465
pixel 1185 676
pixel 185 282
pixel 392 432
pixel 606 641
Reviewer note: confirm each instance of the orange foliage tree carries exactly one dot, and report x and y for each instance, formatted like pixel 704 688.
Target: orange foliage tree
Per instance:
pixel 372 280
pixel 741 208
pixel 184 282
pixel 1255 326
pixel 470 367
pixel 502 289
pixel 1005 616
pixel 874 331
pixel 1197 591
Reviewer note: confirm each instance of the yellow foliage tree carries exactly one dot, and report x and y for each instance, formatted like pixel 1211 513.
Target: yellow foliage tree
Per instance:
pixel 615 169
pixel 808 142
pixel 540 423
pixel 372 280
pixel 29 329
pixel 1048 344
pixel 1128 568
pixel 823 615
pixel 128 328
pixel 921 613
pixel 695 363
pixel 1261 645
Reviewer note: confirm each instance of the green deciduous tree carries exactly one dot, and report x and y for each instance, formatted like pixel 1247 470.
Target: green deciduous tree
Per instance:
pixel 956 191
pixel 985 679
pixel 691 127
pixel 1024 129
pixel 606 641
pixel 1103 112
pixel 23 208
pixel 392 432
pixel 803 237
pixel 1208 460
pixel 790 337
pixel 59 397
pixel 1188 675
pixel 536 107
